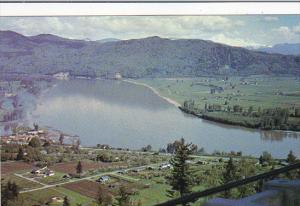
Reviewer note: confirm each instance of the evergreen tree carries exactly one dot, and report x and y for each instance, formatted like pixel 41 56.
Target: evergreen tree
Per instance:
pixel 181 175
pixel 66 201
pixel 230 174
pixel 79 168
pixel 9 192
pixel 36 127
pixel 20 154
pixel 61 139
pixel 291 158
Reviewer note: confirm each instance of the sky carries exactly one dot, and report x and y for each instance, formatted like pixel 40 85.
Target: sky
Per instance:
pixel 245 31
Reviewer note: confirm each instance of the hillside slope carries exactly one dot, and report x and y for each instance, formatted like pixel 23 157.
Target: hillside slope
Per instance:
pixel 152 56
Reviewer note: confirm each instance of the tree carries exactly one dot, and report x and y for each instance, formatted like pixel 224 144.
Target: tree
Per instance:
pixel 148 148
pixel 103 157
pixel 9 192
pixel 34 142
pixel 291 158
pixel 124 198
pixel 79 168
pixel 61 139
pixel 250 110
pixel 36 127
pixel 66 201
pixel 229 175
pixel 33 154
pixel 265 157
pixel 103 198
pixel 237 108
pixel 47 144
pixel 297 112
pixel 20 155
pixel 181 175
pixel 245 169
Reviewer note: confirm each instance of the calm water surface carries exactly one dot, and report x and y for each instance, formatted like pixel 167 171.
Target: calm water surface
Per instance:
pixel 126 115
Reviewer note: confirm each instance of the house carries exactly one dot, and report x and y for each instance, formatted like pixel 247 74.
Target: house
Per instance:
pixel 201 162
pixel 118 76
pixel 121 172
pixel 66 176
pixel 165 166
pixel 103 179
pixel 48 173
pixel 45 172
pixel 62 75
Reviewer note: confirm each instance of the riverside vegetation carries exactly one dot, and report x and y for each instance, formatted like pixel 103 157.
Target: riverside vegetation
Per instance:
pixel 266 102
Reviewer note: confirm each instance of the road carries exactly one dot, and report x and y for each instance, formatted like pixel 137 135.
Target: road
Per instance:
pixel 114 173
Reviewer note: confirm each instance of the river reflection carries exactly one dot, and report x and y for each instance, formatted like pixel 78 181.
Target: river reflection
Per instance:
pixel 277 135
pixel 126 115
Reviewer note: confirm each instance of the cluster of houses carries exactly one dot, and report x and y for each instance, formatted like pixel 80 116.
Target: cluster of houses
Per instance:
pixel 43 172
pixel 66 76
pixel 24 138
pixel 163 166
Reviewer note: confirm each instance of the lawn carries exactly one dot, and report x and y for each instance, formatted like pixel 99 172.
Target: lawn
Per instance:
pixel 41 197
pixel 156 192
pixel 56 178
pixel 21 182
pixel 45 195
pixel 74 197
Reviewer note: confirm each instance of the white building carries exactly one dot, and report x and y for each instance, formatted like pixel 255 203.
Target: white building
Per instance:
pixel 118 76
pixel 62 75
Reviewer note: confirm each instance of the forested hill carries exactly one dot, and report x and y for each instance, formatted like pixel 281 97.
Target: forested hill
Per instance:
pixel 152 56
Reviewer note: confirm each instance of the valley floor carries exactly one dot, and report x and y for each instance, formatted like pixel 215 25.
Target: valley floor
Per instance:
pixel 215 98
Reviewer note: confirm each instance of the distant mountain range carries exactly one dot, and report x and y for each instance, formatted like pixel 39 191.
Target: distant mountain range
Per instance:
pixel 288 49
pixel 107 40
pixel 147 57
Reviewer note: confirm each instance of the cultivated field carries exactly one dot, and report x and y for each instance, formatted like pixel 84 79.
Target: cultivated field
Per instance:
pixel 13 167
pixel 85 187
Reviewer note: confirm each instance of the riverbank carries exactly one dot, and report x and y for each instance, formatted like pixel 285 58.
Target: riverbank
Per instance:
pixel 171 101
pixel 183 90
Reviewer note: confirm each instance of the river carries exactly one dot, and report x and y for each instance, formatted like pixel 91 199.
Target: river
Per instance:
pixel 126 115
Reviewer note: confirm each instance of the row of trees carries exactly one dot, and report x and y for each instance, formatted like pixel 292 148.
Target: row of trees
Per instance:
pixel 269 118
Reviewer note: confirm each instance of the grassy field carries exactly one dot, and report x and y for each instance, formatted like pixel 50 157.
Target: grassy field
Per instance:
pixel 257 91
pixel 21 182
pixel 45 195
pixel 253 93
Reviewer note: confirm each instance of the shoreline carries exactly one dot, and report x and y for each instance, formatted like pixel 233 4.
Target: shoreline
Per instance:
pixel 204 117
pixel 171 101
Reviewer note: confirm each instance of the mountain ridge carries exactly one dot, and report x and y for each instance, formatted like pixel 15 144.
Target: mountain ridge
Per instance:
pixel 146 57
pixel 284 48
